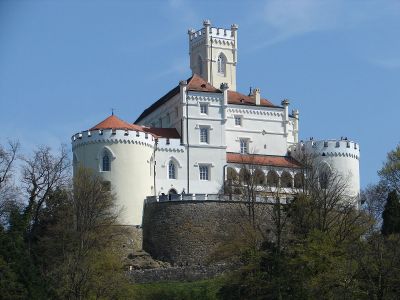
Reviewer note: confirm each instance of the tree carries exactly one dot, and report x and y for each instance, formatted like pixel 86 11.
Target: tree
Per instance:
pixel 89 238
pixel 391 214
pixel 378 266
pixel 8 191
pixel 390 172
pixel 42 173
pixel 374 196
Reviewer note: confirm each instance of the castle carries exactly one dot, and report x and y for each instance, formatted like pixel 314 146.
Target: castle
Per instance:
pixel 181 146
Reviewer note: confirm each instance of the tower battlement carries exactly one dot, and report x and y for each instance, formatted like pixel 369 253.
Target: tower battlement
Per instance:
pixel 215 32
pixel 342 155
pixel 112 136
pixel 213 54
pixel 332 148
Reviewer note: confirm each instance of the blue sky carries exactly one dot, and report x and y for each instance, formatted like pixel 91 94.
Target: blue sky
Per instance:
pixel 65 64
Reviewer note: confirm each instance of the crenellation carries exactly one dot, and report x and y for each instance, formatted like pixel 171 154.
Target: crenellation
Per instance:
pixel 201 131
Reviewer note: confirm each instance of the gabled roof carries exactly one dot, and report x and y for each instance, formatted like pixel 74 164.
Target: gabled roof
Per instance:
pixel 171 133
pixel 195 83
pixel 240 99
pixel 113 122
pixel 263 160
pixel 198 84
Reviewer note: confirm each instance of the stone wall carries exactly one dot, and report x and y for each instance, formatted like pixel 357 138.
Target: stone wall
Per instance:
pixel 186 273
pixel 194 232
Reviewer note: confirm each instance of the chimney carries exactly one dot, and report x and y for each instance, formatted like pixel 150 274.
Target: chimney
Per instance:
pixel 256 95
pixel 285 103
pixel 224 88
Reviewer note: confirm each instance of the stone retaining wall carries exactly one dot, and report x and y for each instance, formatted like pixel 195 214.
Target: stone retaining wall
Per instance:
pixel 187 233
pixel 187 273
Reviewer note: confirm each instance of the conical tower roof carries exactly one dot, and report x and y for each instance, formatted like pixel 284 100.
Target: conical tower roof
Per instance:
pixel 113 122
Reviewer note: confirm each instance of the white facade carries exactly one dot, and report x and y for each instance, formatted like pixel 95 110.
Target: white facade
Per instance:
pixel 184 142
pixel 131 173
pixel 342 156
pixel 213 54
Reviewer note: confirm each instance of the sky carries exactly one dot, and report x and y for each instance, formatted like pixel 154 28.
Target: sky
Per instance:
pixel 64 64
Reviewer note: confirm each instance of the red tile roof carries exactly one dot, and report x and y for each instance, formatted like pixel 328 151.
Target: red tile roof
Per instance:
pixel 171 133
pixel 240 99
pixel 264 160
pixel 198 84
pixel 113 122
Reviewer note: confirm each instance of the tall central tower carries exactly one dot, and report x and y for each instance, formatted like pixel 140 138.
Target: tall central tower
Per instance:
pixel 213 54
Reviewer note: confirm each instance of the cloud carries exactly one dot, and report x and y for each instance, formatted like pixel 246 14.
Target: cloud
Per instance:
pixel 387 63
pixel 286 19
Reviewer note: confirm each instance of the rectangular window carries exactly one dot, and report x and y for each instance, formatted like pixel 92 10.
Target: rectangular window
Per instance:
pixel 204 172
pixel 238 121
pixel 203 135
pixel 203 108
pixel 244 146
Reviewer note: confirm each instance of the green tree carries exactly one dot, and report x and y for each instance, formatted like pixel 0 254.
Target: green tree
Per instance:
pixel 85 239
pixel 390 172
pixel 391 214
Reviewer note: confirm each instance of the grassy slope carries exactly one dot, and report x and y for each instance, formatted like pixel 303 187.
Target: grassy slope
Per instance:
pixel 203 289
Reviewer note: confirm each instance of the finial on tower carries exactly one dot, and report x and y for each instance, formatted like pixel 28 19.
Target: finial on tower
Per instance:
pixel 224 86
pixel 285 102
pixel 112 111
pixel 206 23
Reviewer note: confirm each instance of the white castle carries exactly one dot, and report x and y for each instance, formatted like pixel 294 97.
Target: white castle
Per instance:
pixel 184 142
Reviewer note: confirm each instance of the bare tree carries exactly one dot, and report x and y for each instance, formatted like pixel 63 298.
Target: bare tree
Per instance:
pixel 8 190
pixel 42 174
pixel 325 203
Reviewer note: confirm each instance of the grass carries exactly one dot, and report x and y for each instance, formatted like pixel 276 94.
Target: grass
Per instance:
pixel 203 289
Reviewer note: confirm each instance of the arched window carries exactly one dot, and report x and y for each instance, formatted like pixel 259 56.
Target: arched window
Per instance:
pixel 286 180
pixel 221 63
pixel 272 179
pixel 106 163
pixel 200 65
pixel 171 170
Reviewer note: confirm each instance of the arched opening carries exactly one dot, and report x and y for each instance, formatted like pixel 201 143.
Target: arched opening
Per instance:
pixel 221 64
pixel 231 181
pixel 171 170
pixel 172 192
pixel 299 180
pixel 231 174
pixel 106 162
pixel 259 177
pixel 272 179
pixel 286 180
pixel 244 175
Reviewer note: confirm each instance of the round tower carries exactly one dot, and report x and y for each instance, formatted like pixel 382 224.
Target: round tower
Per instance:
pixel 122 155
pixel 341 155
